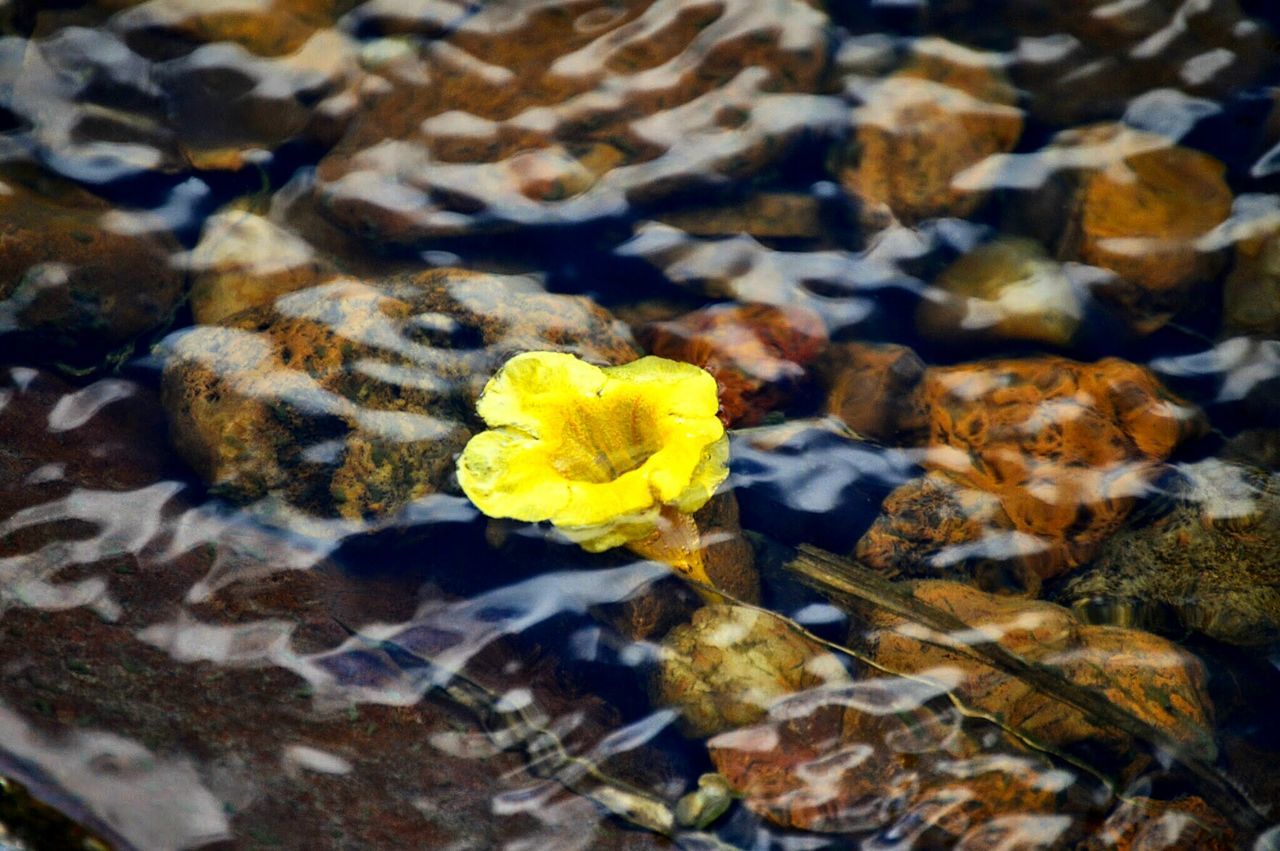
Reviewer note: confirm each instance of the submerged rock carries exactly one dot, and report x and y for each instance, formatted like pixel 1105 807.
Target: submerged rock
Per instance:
pixel 756 352
pixel 727 554
pixel 877 390
pixel 1251 296
pixel 259 103
pixel 1125 200
pixel 1150 678
pixel 731 663
pixel 1141 218
pixel 948 109
pixel 1259 447
pixel 616 103
pixel 888 763
pixel 1213 560
pixel 764 215
pixel 1144 824
pixel 76 282
pixel 1093 59
pixel 1006 290
pixel 98 109
pixel 271 28
pixel 935 526
pixel 1033 463
pixel 351 398
pixel 244 260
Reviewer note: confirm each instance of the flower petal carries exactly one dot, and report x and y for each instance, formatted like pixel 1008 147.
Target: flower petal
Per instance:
pixel 680 388
pixel 506 474
pixel 710 473
pixel 597 452
pixel 532 390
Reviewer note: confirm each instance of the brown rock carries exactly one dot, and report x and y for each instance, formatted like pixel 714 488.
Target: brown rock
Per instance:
pixel 1254 447
pixel 1143 824
pixel 1062 446
pixel 726 667
pixel 226 105
pixel 73 287
pixel 937 781
pixel 1135 204
pixel 764 215
pixel 917 129
pixel 1115 661
pixel 707 547
pixel 609 110
pixel 727 555
pixel 876 389
pixel 1141 218
pixel 756 352
pixel 351 399
pixel 1118 54
pixel 653 613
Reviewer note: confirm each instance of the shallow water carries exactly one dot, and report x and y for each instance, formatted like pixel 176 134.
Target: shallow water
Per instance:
pixel 992 296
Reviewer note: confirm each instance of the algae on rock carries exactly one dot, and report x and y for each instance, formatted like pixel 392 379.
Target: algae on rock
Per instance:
pixel 352 398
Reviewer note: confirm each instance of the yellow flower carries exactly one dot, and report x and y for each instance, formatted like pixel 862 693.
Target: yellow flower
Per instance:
pixel 601 453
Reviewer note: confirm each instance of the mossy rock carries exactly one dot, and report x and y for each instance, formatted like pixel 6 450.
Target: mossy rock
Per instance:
pixel 1211 561
pixel 353 398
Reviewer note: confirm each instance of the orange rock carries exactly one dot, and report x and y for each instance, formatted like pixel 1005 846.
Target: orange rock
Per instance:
pixel 1141 218
pixel 1133 203
pixel 876 389
pixel 1142 824
pixel 757 353
pixel 1064 447
pixel 929 524
pixel 920 127
pixel 1143 674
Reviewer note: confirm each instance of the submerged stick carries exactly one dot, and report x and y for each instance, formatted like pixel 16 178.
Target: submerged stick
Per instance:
pixel 850 582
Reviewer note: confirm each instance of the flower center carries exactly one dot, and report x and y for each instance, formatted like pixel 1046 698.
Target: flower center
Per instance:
pixel 602 439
